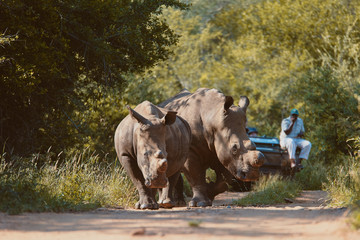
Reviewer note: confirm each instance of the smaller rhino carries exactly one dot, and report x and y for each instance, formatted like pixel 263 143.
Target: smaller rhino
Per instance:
pixel 152 145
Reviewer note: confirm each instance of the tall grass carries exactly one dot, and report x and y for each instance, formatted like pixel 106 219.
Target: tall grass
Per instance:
pixel 344 183
pixel 270 189
pixel 81 183
pixel 314 175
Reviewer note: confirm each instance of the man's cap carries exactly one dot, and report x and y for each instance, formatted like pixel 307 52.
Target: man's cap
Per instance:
pixel 252 130
pixel 294 111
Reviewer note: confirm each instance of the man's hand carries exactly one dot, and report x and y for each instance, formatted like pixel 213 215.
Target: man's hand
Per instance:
pixel 293 118
pixel 301 135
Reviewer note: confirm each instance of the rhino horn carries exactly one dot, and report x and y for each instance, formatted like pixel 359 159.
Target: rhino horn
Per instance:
pixel 244 103
pixel 229 101
pixel 136 115
pixel 169 118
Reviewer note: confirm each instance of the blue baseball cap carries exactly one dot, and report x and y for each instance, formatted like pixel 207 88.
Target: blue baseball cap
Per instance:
pixel 294 111
pixel 252 130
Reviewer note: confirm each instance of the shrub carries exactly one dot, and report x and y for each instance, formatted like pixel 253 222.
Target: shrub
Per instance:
pixel 344 183
pixel 314 174
pixel 270 189
pixel 81 183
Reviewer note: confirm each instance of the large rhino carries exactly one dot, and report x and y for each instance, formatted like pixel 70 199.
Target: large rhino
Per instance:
pixel 219 140
pixel 152 144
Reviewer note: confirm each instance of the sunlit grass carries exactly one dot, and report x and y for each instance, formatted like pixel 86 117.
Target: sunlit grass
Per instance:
pixel 313 176
pixel 343 183
pixel 269 190
pixel 344 188
pixel 81 183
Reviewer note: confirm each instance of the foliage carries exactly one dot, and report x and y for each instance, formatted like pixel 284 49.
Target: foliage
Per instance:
pixel 314 175
pixel 344 180
pixel 270 189
pixel 344 183
pixel 281 54
pixel 326 105
pixel 81 183
pixel 56 45
pixel 355 220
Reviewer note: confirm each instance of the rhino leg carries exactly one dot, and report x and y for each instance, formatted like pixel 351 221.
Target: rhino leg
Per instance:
pixel 196 177
pixel 166 199
pixel 147 195
pixel 218 187
pixel 179 193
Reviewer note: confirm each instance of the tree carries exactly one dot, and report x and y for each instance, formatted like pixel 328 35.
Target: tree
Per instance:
pixel 330 112
pixel 60 42
pixel 261 48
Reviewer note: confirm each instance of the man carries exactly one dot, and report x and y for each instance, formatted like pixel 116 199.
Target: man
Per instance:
pixel 291 137
pixel 252 132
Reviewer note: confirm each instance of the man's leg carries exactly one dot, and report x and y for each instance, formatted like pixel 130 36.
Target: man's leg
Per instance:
pixel 291 147
pixel 305 146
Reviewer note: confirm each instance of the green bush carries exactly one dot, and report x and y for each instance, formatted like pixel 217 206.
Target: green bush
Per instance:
pixel 314 174
pixel 355 218
pixel 270 189
pixel 81 183
pixel 343 183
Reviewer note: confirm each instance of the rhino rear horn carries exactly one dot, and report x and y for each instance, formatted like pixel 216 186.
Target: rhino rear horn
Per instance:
pixel 229 101
pixel 244 103
pixel 135 115
pixel 169 118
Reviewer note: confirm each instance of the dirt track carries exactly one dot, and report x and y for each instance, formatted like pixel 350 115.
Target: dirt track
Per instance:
pixel 306 218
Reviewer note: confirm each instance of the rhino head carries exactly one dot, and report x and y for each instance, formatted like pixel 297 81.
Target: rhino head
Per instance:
pixel 150 147
pixel 233 147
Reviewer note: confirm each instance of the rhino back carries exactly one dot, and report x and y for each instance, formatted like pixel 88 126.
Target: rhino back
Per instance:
pixel 201 110
pixel 178 96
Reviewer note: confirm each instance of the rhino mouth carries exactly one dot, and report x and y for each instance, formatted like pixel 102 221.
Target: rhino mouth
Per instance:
pixel 160 181
pixel 252 174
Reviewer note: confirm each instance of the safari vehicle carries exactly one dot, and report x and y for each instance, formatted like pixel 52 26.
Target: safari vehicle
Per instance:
pixel 276 158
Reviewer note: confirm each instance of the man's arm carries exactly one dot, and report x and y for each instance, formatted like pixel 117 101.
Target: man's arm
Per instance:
pixel 288 131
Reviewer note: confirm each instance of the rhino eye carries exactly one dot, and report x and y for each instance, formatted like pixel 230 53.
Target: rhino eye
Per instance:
pixel 144 127
pixel 234 149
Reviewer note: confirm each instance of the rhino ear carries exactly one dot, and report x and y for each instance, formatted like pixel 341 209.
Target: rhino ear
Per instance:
pixel 169 118
pixel 244 103
pixel 135 115
pixel 229 101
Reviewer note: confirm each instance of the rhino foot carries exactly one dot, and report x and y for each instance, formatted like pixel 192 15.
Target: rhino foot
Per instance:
pixel 180 203
pixel 197 203
pixel 146 204
pixel 166 203
pixel 216 188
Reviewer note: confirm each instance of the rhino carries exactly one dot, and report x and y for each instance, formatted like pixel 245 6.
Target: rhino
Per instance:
pixel 219 141
pixel 152 145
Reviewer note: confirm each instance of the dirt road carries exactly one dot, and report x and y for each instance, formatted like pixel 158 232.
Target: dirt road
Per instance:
pixel 306 218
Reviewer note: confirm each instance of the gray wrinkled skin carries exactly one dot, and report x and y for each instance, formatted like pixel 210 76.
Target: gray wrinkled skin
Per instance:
pixel 219 141
pixel 152 144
